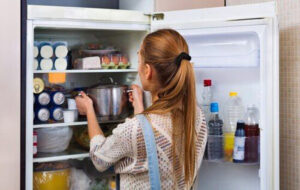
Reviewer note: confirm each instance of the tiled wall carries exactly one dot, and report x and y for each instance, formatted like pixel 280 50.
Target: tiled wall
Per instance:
pixel 289 24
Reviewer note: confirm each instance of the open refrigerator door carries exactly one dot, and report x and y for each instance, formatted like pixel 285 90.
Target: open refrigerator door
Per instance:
pixel 236 48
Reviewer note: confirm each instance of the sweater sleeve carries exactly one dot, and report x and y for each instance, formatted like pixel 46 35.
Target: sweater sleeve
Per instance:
pixel 106 151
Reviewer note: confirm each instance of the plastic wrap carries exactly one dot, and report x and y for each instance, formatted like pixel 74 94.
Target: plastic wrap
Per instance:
pixel 53 139
pixel 79 180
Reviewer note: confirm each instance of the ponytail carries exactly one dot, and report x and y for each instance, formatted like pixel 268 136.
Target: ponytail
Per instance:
pixel 177 96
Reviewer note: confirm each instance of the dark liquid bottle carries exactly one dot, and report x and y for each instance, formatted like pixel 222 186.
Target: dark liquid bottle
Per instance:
pixel 214 149
pixel 252 135
pixel 239 143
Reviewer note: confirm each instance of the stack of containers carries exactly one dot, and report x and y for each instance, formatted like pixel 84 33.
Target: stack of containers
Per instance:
pixel 50 56
pixel 48 106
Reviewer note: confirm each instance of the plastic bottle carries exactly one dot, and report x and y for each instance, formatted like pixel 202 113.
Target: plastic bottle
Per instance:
pixel 252 134
pixel 215 131
pixel 206 98
pixel 239 143
pixel 234 112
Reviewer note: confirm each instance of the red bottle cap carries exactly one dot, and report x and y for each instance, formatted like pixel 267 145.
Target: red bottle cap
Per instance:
pixel 207 82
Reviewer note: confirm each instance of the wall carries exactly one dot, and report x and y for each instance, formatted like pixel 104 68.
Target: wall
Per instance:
pixel 112 4
pixel 10 95
pixel 169 5
pixel 289 24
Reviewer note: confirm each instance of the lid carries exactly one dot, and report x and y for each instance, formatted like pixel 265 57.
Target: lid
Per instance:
pixel 207 82
pixel 214 107
pixel 58 98
pixel 240 124
pixel 44 98
pixel 231 94
pixel 43 114
pixel 38 85
pixel 58 114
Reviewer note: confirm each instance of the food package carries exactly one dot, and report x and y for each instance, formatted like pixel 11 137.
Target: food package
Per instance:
pixel 87 63
pixel 79 180
pixel 48 176
pixel 60 49
pixel 53 139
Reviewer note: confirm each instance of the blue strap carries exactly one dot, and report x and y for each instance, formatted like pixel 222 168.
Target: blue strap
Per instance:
pixel 154 176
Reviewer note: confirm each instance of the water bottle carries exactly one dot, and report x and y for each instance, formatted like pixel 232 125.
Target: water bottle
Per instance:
pixel 206 98
pixel 234 112
pixel 214 149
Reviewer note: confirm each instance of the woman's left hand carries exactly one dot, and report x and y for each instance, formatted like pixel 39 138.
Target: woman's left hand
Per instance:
pixel 84 104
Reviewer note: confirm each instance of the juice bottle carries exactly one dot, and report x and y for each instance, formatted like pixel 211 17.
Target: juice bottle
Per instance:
pixel 252 135
pixel 234 112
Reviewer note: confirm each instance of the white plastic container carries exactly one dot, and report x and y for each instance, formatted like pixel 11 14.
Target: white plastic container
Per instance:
pixel 46 64
pixel 61 64
pixel 69 115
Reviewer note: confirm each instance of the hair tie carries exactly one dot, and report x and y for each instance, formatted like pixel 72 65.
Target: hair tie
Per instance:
pixel 182 56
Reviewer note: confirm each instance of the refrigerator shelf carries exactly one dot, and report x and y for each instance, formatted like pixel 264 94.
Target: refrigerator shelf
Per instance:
pixel 226 162
pixel 70 153
pixel 88 71
pixel 77 123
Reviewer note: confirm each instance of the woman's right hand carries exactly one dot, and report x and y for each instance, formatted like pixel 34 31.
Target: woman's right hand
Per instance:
pixel 136 98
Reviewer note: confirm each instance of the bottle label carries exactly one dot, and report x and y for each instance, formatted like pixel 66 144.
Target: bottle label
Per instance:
pixel 239 148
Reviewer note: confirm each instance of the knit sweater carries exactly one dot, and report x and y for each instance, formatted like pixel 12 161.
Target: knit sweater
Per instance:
pixel 125 149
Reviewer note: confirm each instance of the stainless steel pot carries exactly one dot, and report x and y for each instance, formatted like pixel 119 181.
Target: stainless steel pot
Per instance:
pixel 119 100
pixel 110 101
pixel 101 96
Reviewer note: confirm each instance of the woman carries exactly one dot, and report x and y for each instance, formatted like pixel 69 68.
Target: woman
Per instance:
pixel 179 126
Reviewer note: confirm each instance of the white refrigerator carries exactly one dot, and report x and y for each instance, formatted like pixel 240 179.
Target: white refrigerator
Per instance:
pixel 236 47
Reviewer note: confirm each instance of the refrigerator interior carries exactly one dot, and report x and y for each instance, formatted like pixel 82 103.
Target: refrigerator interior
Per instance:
pixel 231 60
pixel 128 42
pixel 237 73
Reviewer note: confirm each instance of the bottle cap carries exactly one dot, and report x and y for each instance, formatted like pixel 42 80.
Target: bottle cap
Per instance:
pixel 207 82
pixel 214 107
pixel 231 94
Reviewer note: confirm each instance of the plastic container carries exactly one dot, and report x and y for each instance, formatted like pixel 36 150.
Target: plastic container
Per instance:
pixel 48 176
pixel 61 64
pixel 46 50
pixel 46 64
pixel 70 115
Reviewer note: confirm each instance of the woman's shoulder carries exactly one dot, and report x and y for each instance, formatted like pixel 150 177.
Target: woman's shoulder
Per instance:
pixel 200 118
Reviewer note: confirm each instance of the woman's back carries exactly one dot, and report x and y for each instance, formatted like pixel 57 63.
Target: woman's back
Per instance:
pixel 133 167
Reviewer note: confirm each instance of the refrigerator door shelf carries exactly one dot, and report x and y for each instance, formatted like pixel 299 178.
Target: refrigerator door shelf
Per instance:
pixel 232 49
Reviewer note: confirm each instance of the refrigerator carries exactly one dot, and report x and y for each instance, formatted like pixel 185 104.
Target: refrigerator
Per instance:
pixel 236 47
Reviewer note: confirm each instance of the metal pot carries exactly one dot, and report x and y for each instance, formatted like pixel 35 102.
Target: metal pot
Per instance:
pixel 119 100
pixel 110 101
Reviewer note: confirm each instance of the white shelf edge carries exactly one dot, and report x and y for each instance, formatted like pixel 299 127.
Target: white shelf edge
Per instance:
pixel 59 158
pixel 73 123
pixel 59 124
pixel 88 71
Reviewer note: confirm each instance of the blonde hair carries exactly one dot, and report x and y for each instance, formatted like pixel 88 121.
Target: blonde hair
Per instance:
pixel 177 93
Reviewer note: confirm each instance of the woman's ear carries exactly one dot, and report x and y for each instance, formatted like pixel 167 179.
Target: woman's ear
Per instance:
pixel 148 72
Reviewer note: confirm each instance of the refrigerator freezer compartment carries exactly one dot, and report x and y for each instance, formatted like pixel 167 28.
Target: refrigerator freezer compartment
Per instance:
pixel 216 149
pixel 239 49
